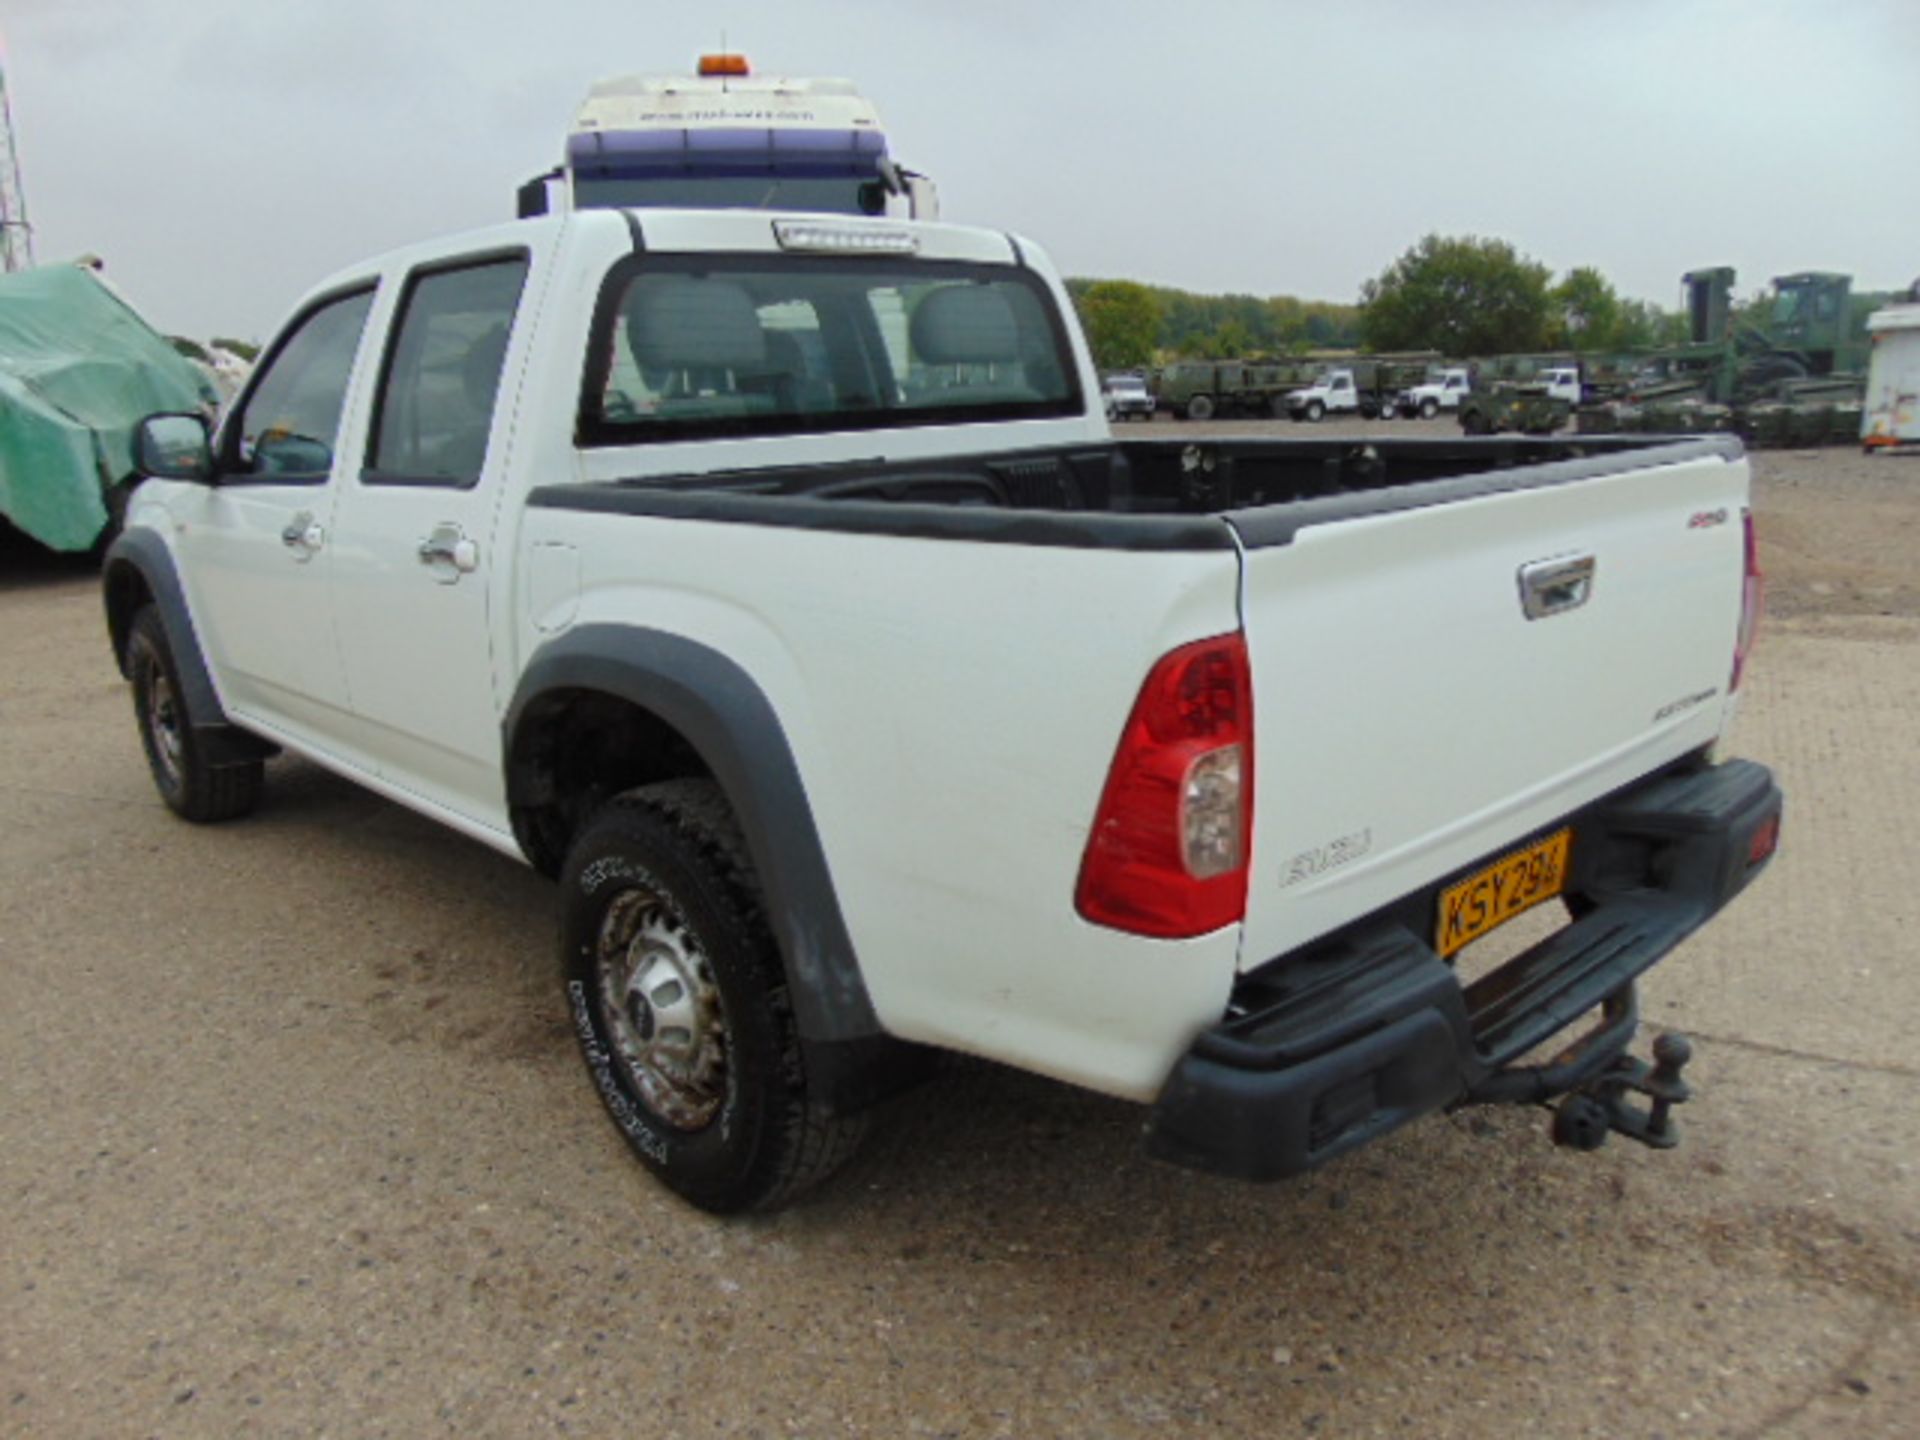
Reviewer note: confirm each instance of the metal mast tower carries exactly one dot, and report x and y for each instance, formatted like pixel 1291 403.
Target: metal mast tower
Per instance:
pixel 16 235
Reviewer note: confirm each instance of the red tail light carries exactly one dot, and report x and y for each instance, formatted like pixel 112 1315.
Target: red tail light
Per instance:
pixel 1169 849
pixel 1751 601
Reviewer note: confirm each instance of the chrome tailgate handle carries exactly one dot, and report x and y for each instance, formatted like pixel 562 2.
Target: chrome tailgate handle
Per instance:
pixel 1553 587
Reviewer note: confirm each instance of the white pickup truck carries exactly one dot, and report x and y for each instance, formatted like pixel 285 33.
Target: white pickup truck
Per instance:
pixel 1442 391
pixel 776 584
pixel 1561 383
pixel 1333 392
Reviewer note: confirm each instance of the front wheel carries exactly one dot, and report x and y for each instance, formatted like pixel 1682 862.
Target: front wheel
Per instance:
pixel 1429 408
pixel 193 789
pixel 1316 412
pixel 1200 407
pixel 680 1003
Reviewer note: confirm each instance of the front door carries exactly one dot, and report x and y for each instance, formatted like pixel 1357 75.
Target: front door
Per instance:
pixel 257 543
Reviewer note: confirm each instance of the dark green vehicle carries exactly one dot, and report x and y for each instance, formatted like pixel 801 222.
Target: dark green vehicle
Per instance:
pixel 1538 406
pixel 1205 389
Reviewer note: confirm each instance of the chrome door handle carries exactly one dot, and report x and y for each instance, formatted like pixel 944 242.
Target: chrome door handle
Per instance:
pixel 450 553
pixel 303 535
pixel 1553 587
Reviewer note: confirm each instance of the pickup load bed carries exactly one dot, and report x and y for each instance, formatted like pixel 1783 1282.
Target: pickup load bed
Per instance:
pixel 778 585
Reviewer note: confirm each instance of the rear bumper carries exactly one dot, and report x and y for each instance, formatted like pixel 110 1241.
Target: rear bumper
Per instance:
pixel 1333 1046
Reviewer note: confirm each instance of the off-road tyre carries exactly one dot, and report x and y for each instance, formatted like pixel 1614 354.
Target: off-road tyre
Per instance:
pixel 1316 411
pixel 1475 422
pixel 1429 408
pixel 193 789
pixel 674 851
pixel 1200 407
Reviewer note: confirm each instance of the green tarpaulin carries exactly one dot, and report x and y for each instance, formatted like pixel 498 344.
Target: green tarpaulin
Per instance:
pixel 78 370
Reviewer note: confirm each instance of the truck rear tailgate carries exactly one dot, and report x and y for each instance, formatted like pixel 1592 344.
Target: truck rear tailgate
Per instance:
pixel 1412 718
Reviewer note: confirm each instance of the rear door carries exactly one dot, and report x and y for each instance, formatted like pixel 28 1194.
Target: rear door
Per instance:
pixel 415 551
pixel 1437 682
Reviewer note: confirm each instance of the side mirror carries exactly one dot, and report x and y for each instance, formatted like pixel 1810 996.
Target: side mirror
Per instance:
pixel 174 447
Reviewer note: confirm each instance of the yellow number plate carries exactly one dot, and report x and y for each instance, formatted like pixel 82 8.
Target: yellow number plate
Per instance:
pixel 1486 901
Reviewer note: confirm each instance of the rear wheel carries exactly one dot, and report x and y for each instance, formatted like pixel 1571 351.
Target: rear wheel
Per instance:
pixel 680 1003
pixel 192 788
pixel 1200 407
pixel 1475 422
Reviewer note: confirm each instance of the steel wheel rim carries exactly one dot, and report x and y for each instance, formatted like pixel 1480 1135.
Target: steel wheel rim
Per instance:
pixel 662 1009
pixel 163 721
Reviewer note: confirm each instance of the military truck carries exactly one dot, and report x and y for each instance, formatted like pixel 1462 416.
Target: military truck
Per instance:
pixel 1809 330
pixel 1205 389
pixel 1788 376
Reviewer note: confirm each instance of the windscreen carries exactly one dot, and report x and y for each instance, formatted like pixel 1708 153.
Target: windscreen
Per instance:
pixel 687 346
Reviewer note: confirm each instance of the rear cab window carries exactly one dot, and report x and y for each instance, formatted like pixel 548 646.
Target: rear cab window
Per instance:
pixel 687 346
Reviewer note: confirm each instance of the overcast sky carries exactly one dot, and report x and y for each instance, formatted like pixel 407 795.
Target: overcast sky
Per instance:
pixel 222 155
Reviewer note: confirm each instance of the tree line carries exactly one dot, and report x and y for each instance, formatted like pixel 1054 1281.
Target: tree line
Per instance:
pixel 1458 295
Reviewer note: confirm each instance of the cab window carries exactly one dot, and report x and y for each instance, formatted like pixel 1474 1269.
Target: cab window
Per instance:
pixel 437 398
pixel 290 422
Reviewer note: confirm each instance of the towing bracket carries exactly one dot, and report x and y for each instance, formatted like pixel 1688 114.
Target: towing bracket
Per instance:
pixel 1587 1116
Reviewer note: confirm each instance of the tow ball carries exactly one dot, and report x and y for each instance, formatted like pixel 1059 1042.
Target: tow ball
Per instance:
pixel 1585 1118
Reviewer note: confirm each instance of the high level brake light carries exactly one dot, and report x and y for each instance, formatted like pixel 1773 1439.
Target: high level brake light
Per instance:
pixel 1170 844
pixel 731 65
pixel 832 239
pixel 1752 600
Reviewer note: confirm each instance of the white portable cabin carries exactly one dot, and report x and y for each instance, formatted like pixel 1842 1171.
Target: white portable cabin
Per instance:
pixel 1892 413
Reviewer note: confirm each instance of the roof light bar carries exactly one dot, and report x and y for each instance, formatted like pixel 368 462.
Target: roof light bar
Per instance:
pixel 843 239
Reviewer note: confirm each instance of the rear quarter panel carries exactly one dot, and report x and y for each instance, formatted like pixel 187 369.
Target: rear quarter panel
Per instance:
pixel 953 707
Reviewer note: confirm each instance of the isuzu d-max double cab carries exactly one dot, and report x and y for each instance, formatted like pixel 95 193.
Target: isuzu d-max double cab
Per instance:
pixel 776 584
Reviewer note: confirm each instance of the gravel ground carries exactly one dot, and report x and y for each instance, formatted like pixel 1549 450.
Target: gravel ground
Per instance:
pixel 296 1141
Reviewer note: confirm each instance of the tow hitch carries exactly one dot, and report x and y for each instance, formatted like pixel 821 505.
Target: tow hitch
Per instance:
pixel 1585 1117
